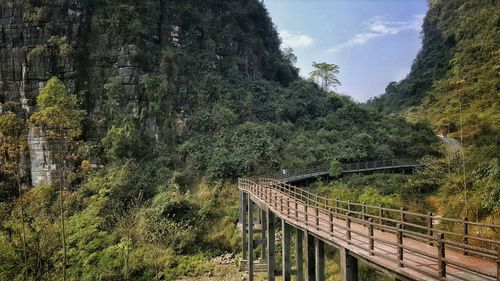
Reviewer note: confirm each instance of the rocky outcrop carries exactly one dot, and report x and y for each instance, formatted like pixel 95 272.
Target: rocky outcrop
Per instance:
pixel 41 163
pixel 29 55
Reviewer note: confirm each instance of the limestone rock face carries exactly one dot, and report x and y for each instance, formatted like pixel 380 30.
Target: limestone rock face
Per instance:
pixel 27 59
pixel 41 162
pixel 103 49
pixel 31 52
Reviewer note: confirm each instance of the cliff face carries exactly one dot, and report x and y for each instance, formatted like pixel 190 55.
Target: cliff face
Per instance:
pixel 27 59
pixel 106 51
pixel 87 42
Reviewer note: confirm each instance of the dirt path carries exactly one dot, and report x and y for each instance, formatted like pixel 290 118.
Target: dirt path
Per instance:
pixel 224 273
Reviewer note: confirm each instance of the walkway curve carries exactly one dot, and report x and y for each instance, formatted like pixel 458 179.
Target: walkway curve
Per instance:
pixel 305 173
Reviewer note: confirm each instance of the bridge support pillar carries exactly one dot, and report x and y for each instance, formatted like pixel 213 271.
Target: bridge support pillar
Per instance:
pixel 309 251
pixel 250 239
pixel 271 254
pixel 243 221
pixel 263 235
pixel 286 257
pixel 319 250
pixel 299 254
pixel 348 266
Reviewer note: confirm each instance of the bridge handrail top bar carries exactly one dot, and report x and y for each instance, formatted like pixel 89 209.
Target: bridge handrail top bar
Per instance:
pixel 399 211
pixel 357 166
pixel 472 249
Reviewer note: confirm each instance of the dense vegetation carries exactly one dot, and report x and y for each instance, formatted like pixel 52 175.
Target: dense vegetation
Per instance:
pixel 148 192
pixel 454 83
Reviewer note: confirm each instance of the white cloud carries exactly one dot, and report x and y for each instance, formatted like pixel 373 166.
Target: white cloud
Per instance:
pixel 296 40
pixel 378 27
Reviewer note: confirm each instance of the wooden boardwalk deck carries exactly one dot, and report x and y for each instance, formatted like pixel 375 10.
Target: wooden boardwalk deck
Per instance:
pixel 397 250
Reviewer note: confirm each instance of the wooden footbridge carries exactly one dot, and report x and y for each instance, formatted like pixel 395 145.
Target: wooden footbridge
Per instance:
pixel 302 174
pixel 406 245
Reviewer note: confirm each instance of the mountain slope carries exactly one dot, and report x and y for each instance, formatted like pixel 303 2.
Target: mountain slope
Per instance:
pixel 455 84
pixel 457 70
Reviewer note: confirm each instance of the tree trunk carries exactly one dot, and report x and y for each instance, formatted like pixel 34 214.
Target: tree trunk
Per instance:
pixel 18 181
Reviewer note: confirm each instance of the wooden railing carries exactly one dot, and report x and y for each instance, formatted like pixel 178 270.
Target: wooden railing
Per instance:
pixel 319 213
pixel 346 167
pixel 377 164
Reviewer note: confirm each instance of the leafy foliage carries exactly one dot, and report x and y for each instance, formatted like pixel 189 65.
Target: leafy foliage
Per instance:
pixel 13 144
pixel 325 74
pixel 335 169
pixel 57 110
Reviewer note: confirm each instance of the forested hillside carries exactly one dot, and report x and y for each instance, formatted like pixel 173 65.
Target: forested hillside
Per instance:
pixel 456 69
pixel 454 83
pixel 140 116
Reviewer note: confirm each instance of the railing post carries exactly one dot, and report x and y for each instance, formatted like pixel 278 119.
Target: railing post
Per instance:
pixel 381 216
pixel 370 236
pixel 348 206
pixel 281 203
pixel 331 223
pixel 336 205
pixel 275 201
pixel 305 214
pixel 363 211
pixel 317 218
pixel 465 239
pixel 400 244
pixel 498 263
pixel 348 226
pixel 288 206
pixel 441 256
pixel 403 218
pixel 430 233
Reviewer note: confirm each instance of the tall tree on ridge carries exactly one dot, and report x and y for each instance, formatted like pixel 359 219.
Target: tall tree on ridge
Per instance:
pixel 325 75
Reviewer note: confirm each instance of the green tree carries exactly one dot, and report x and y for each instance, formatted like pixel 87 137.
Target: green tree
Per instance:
pixel 122 141
pixel 325 75
pixel 59 117
pixel 13 146
pixel 335 168
pixel 289 56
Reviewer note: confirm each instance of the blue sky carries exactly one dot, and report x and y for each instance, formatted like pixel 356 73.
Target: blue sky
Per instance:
pixel 373 41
